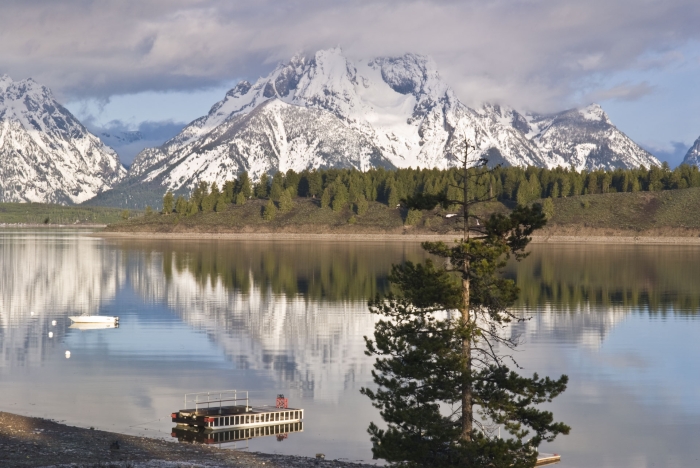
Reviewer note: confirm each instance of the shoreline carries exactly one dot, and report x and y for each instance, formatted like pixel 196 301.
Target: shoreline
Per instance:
pixel 564 238
pixel 341 237
pixel 51 226
pixel 37 442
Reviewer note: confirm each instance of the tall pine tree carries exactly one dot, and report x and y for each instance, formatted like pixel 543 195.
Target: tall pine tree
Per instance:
pixel 444 385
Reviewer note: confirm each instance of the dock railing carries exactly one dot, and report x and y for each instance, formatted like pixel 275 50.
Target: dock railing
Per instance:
pixel 213 398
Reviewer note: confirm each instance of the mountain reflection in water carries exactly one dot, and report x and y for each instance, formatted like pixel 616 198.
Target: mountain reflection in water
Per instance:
pixel 289 317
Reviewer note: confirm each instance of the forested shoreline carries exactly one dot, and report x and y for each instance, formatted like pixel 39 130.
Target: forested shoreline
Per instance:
pixel 340 188
pixel 652 202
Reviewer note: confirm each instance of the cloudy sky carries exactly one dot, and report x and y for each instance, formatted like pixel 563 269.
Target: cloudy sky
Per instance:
pixel 156 64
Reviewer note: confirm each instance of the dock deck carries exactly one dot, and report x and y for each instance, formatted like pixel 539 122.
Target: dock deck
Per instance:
pixel 214 412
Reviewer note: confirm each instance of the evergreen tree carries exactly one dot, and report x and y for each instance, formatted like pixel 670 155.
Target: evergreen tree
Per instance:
pixel 215 190
pixel 276 189
pixel 355 188
pixel 200 192
pixel 361 206
pixel 270 211
pixel 181 205
pixel 564 184
pixel 229 191
pixel 277 185
pixel 291 181
pixel 371 187
pixel 393 196
pixel 262 188
pixel 221 203
pixel 245 185
pixel 168 201
pixel 340 196
pixel 326 198
pixel 240 199
pixel 192 208
pixel 523 194
pixel 315 183
pixel 209 202
pixel 285 201
pixel 430 359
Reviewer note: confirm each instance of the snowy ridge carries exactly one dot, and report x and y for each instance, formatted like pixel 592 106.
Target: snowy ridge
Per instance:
pixel 46 154
pixel 693 154
pixel 328 111
pixel 586 139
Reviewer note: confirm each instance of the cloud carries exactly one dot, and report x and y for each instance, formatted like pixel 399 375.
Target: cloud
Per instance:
pixel 622 92
pixel 128 140
pixel 672 152
pixel 530 53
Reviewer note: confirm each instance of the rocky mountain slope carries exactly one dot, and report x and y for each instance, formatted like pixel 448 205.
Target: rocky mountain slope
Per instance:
pixel 693 154
pixel 580 138
pixel 328 111
pixel 46 154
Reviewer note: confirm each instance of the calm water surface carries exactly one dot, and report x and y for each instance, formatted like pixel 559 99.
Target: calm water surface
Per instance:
pixel 289 317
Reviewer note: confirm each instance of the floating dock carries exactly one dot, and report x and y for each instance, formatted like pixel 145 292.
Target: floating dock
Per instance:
pixel 222 411
pixel 547 459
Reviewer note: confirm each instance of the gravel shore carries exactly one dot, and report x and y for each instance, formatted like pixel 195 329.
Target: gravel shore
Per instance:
pixel 36 442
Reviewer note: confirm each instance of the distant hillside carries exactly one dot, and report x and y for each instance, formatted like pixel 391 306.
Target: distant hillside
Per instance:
pixel 669 212
pixel 51 214
pixel 614 214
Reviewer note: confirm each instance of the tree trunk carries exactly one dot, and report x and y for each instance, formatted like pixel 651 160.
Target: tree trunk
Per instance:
pixel 466 319
pixel 466 371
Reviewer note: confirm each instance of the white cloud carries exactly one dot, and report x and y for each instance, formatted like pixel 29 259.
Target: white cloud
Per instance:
pixel 622 92
pixel 530 53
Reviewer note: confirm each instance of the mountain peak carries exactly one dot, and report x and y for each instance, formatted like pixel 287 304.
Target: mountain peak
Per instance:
pixel 595 113
pixel 693 154
pixel 46 154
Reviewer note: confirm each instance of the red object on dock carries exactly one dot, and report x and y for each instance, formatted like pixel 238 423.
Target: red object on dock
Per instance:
pixel 281 402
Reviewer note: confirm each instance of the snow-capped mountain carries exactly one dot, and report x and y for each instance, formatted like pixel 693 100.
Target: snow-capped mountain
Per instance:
pixel 328 111
pixel 585 139
pixel 693 154
pixel 46 154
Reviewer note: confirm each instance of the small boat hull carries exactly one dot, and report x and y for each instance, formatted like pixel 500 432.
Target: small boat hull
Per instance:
pixel 94 319
pixel 94 325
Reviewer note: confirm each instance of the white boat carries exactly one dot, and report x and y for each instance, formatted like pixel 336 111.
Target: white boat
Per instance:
pixel 94 319
pixel 94 325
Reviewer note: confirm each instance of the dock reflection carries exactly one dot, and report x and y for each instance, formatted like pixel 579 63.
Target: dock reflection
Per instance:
pixel 191 435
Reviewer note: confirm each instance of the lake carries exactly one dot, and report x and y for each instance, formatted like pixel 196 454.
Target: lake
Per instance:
pixel 289 318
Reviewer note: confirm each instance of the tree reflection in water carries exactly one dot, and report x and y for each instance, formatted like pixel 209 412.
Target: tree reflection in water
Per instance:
pixel 657 279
